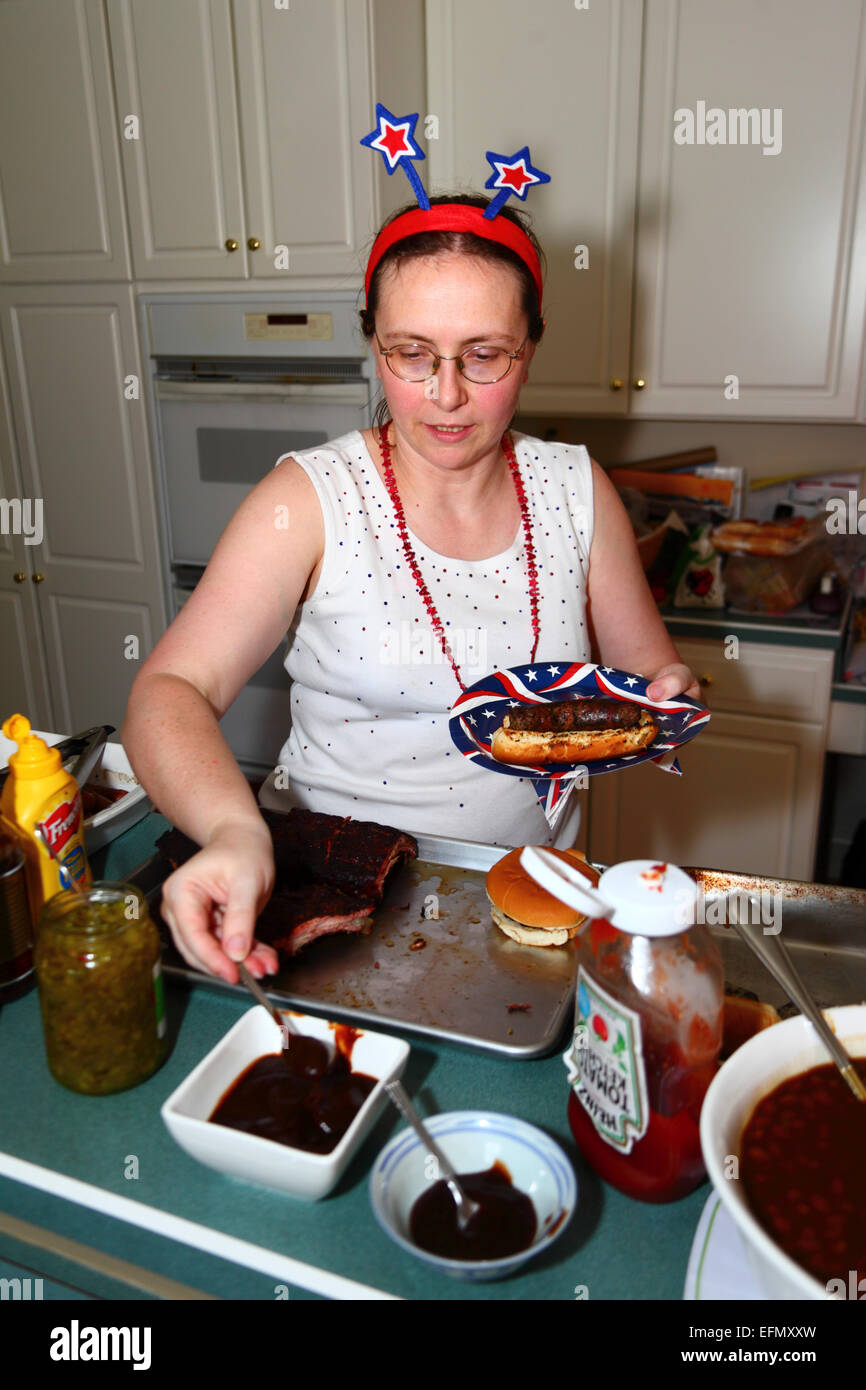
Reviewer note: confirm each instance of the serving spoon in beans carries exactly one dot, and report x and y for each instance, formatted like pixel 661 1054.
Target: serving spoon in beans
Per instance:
pixel 773 955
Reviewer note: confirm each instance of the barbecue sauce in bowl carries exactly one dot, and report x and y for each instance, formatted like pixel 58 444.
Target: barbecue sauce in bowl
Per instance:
pixel 302 1097
pixel 505 1224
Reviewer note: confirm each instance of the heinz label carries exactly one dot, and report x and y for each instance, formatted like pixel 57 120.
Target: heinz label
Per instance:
pixel 606 1067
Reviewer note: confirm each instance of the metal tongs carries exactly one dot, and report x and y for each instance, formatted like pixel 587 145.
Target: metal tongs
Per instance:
pixel 84 747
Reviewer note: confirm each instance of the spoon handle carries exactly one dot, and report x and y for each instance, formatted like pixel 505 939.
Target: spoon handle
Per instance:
pixel 774 955
pixel 466 1208
pixel 259 995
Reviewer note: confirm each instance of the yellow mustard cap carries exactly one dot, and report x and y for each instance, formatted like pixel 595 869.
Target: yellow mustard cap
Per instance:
pixel 34 758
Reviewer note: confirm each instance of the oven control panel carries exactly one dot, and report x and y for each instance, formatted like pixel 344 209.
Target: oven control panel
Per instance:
pixel 288 327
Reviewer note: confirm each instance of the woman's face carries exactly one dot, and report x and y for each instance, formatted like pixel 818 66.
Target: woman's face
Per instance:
pixel 450 303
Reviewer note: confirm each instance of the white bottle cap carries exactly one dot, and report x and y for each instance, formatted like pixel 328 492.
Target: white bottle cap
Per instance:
pixel 649 898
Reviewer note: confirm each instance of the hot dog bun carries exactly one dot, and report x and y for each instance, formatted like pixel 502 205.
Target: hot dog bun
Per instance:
pixel 527 746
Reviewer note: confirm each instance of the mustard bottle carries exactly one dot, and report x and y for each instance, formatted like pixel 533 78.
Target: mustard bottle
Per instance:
pixel 40 790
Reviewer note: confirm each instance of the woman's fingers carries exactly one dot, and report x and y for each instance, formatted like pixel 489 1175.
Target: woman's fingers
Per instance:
pixel 187 907
pixel 211 904
pixel 671 681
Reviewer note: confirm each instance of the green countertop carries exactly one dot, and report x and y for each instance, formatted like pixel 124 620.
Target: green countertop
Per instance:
pixel 66 1166
pixel 798 628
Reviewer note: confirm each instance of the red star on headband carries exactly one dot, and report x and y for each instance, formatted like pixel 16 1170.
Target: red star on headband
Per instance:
pixel 513 176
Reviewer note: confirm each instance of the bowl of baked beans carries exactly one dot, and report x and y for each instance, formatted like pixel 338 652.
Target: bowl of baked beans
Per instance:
pixel 784 1143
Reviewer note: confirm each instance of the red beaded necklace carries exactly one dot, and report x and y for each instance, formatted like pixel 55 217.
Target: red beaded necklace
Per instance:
pixel 435 620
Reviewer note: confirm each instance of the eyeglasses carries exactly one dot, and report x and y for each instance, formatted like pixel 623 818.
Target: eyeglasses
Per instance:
pixel 482 365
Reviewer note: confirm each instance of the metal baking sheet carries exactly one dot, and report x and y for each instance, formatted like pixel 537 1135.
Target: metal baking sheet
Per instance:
pixel 455 977
pixel 469 984
pixel 822 926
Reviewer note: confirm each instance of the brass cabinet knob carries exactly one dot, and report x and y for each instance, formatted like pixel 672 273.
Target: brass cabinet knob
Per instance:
pixel 616 383
pixel 705 680
pixel 231 244
pixel 254 244
pixel 19 576
pixel 37 577
pixel 639 383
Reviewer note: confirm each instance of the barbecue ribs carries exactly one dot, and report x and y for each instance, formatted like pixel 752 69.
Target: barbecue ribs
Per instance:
pixel 330 874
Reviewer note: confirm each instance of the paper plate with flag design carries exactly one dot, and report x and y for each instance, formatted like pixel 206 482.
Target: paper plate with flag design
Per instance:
pixel 479 712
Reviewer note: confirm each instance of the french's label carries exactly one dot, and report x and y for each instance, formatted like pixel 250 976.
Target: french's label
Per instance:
pixel 606 1067
pixel 62 824
pixel 64 829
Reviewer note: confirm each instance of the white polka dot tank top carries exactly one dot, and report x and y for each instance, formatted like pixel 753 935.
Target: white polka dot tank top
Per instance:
pixel 371 688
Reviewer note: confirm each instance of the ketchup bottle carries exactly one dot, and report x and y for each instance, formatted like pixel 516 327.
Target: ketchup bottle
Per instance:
pixel 647 1024
pixel 647 1035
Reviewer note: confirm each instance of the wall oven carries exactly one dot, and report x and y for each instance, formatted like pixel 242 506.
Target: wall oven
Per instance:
pixel 236 381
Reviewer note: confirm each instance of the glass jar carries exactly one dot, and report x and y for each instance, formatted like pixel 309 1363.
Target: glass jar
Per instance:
pixel 648 1031
pixel 99 972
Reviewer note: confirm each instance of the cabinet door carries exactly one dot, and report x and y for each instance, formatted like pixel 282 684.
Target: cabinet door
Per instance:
pixel 70 352
pixel 748 801
pixel 61 206
pixel 305 101
pixel 174 73
pixel 566 82
pixel 750 253
pixel 762 679
pixel 23 684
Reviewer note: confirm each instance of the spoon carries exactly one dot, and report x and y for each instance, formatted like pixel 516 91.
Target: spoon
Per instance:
pixel 255 989
pixel 466 1208
pixel 773 954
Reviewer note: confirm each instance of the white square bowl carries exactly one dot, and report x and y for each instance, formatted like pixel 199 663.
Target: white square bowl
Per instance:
pixel 249 1156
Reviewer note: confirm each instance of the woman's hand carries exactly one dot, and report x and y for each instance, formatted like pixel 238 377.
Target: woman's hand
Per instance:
pixel 673 680
pixel 212 901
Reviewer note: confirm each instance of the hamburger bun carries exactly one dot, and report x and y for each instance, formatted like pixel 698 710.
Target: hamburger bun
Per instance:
pixel 525 911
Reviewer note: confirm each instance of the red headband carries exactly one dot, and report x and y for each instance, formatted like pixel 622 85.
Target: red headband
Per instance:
pixel 456 217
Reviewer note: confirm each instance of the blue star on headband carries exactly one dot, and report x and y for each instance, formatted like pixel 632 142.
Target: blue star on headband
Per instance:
pixel 394 138
pixel 513 173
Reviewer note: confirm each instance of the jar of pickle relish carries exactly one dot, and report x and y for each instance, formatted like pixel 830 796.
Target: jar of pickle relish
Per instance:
pixel 99 972
pixel 648 1031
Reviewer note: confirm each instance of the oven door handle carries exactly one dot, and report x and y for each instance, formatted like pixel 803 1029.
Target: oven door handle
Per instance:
pixel 194 392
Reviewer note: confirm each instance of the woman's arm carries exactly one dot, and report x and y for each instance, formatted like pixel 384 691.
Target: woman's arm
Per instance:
pixel 240 611
pixel 624 621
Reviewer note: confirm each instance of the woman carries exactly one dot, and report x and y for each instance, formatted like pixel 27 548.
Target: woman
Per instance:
pixel 498 550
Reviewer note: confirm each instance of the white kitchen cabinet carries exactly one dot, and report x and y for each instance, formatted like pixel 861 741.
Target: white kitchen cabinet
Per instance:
pixel 23 682
pixel 751 264
pixel 72 358
pixel 248 161
pixel 749 797
pixel 61 200
pixel 746 265
pixel 567 83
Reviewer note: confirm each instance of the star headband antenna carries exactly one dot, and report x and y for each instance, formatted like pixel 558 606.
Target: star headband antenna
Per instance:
pixel 394 138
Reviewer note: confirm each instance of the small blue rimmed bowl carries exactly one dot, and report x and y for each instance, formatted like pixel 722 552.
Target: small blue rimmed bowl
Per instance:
pixel 474 1140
